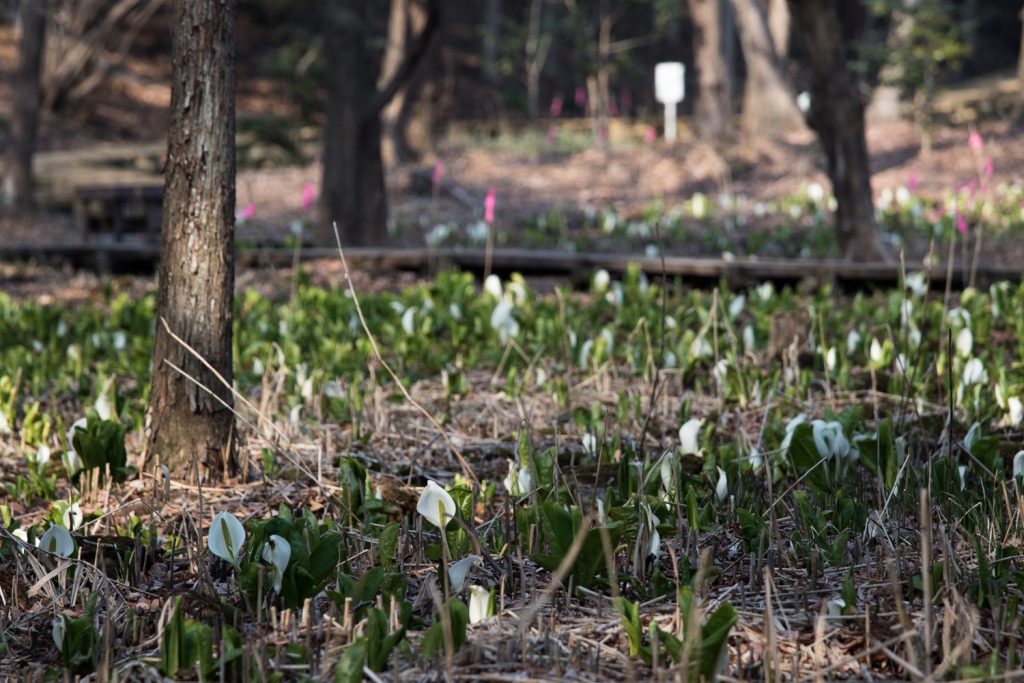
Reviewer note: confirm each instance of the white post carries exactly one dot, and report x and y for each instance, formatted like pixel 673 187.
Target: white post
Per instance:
pixel 670 90
pixel 670 121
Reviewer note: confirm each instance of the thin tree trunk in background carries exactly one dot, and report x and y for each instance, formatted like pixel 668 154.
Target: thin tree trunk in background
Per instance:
pixel 353 193
pixel 837 116
pixel 491 38
pixel 601 92
pixel 537 46
pixel 778 25
pixel 1020 58
pixel 409 116
pixel 714 109
pixel 769 103
pixel 186 426
pixel 27 94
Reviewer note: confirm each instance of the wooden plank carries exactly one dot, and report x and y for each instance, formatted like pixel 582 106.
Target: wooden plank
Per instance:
pixel 738 273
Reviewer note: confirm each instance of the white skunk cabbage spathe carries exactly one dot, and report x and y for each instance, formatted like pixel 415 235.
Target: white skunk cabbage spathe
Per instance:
pixel 58 541
pixel 277 552
pixel 503 321
pixel 974 373
pixel 104 406
pixel 722 487
pixel 479 604
pixel 1018 464
pixel 431 502
pixel 492 286
pixel 72 460
pixel 964 342
pixel 72 516
pixel 518 482
pixel 835 608
pixel 57 630
pixel 459 571
pixel 590 444
pixel 226 537
pixel 689 436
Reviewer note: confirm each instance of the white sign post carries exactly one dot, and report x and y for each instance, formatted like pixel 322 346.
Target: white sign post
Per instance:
pixel 670 90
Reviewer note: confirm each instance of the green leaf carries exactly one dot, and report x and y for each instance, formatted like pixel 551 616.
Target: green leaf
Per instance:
pixel 630 614
pixel 715 640
pixel 388 544
pixel 349 668
pixel 433 639
pixel 172 642
pixel 558 528
pixel 805 457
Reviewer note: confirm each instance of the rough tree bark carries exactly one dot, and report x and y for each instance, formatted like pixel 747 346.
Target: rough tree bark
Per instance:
pixel 714 103
pixel 769 103
pixel 186 426
pixel 26 92
pixel 353 192
pixel 837 116
pixel 409 116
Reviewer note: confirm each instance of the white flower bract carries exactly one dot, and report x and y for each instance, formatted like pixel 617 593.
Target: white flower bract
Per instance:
pixel 277 552
pixel 58 541
pixel 226 537
pixel 689 436
pixel 431 501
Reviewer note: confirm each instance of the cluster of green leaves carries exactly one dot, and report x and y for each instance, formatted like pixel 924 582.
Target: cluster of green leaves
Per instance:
pixel 705 648
pixel 315 553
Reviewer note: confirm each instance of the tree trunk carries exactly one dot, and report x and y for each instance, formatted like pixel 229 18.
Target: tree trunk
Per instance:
pixel 353 183
pixel 409 116
pixel 714 109
pixel 1020 58
pixel 188 427
pixel 769 103
pixel 353 191
pixel 26 92
pixel 837 116
pixel 538 43
pixel 778 25
pixel 492 38
pixel 599 84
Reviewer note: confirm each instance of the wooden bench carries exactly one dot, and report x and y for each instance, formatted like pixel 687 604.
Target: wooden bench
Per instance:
pixel 118 213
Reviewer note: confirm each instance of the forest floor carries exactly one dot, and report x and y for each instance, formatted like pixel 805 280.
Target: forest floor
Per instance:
pixel 898 556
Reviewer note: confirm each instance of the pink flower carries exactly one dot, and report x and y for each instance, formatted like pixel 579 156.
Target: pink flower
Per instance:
pixel 308 196
pixel 912 182
pixel 435 179
pixel 245 214
pixel 975 142
pixel 650 135
pixel 581 97
pixel 556 106
pixel 989 169
pixel 489 207
pixel 961 223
